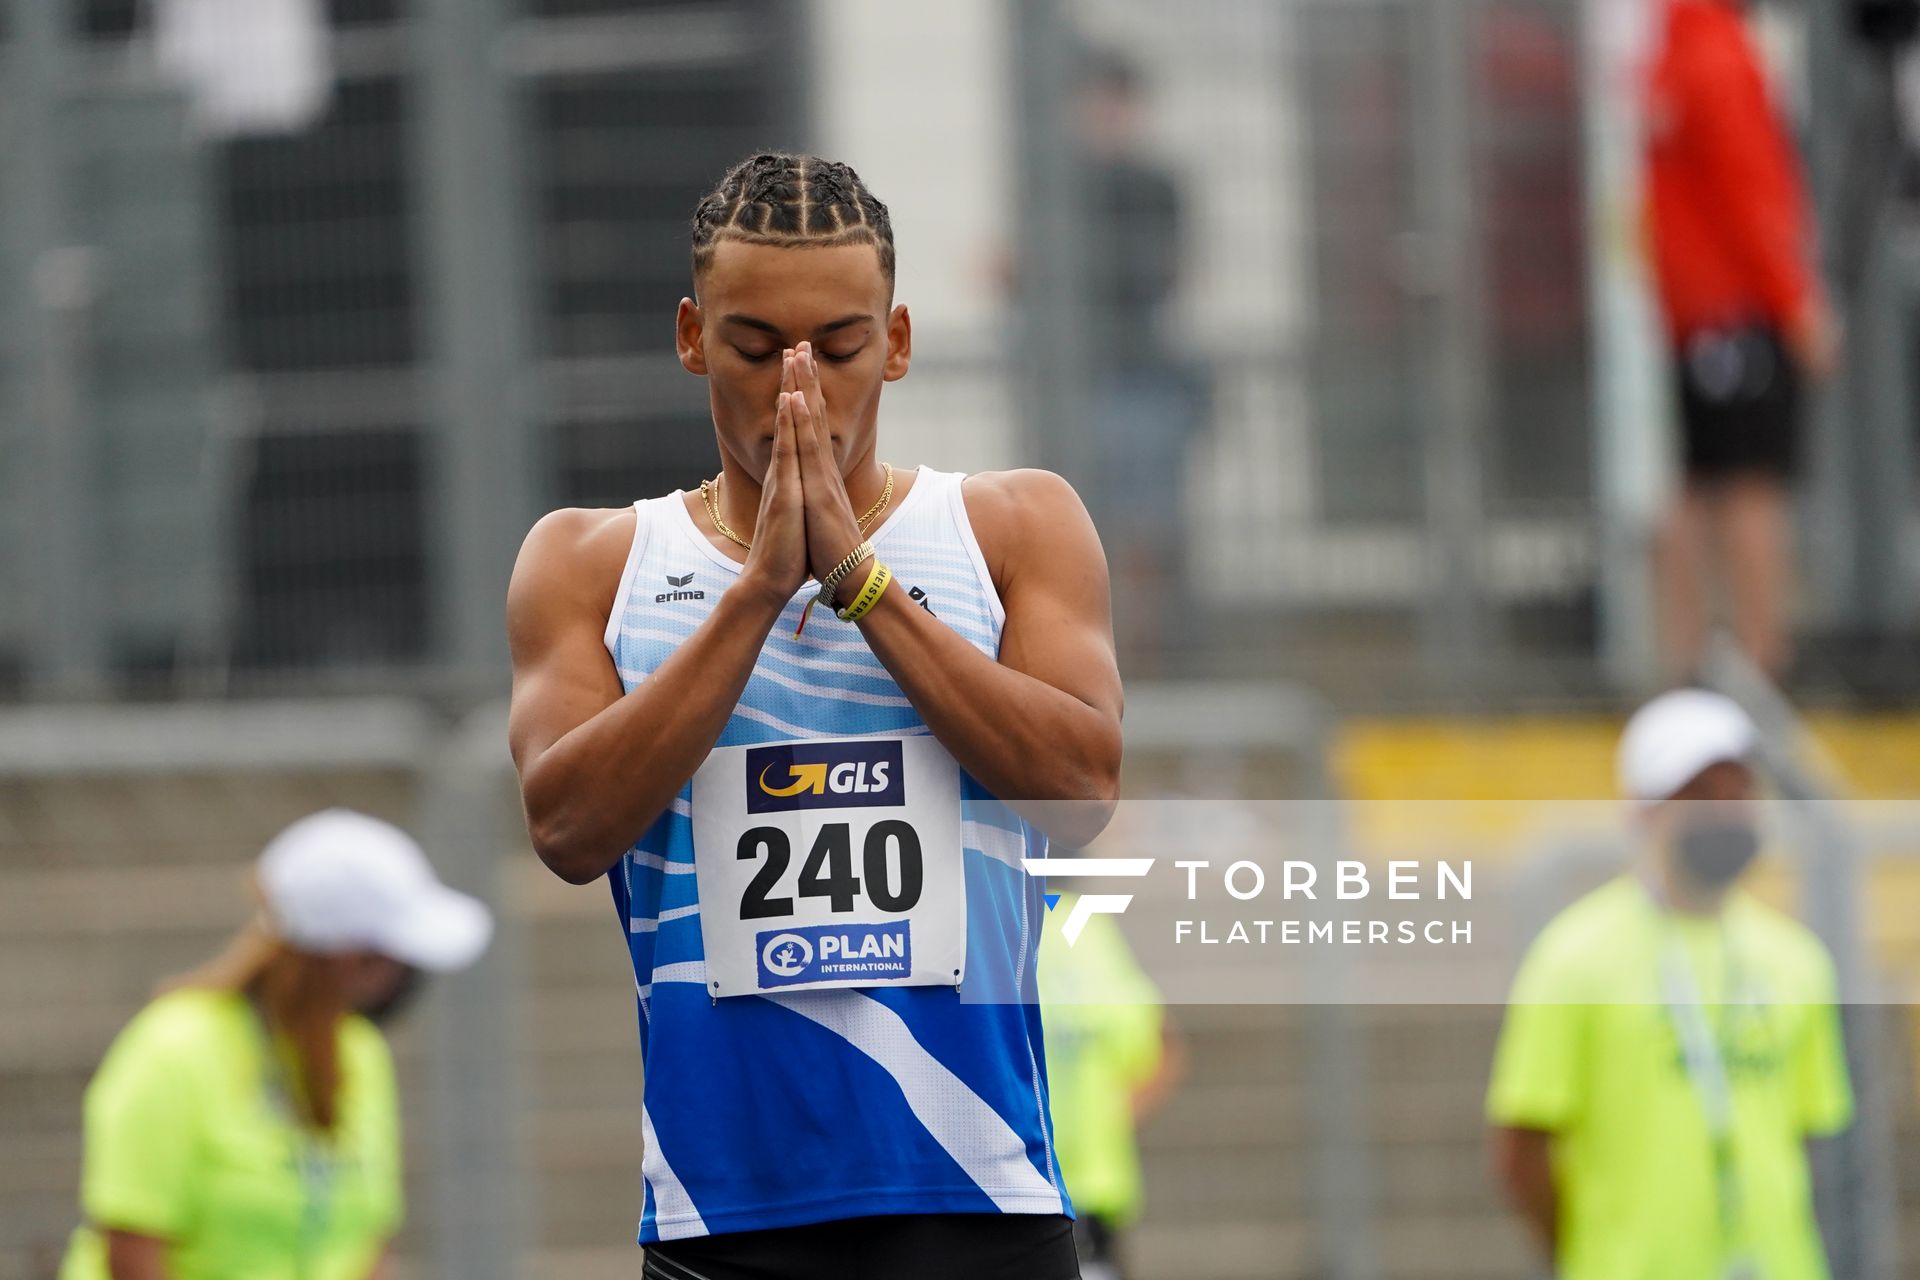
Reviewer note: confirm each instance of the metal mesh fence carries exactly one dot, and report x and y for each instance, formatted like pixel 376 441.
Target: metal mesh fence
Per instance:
pixel 1296 294
pixel 318 470
pixel 1364 365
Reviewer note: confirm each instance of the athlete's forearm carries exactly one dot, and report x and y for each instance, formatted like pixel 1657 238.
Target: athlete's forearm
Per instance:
pixel 1025 741
pixel 597 789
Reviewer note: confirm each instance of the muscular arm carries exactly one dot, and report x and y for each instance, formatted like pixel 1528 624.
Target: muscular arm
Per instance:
pixel 1043 722
pixel 136 1257
pixel 1523 1164
pixel 597 765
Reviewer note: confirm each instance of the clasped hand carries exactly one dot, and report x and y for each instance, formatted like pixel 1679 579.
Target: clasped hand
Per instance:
pixel 806 524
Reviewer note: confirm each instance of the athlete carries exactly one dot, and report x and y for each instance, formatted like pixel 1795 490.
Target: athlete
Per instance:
pixel 806 722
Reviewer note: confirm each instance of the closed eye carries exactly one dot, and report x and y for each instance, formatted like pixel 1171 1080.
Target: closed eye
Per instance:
pixel 842 359
pixel 755 357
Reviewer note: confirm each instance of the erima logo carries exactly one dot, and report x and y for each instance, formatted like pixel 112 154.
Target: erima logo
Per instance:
pixel 919 597
pixel 1088 905
pixel 679 592
pixel 823 775
pixel 818 953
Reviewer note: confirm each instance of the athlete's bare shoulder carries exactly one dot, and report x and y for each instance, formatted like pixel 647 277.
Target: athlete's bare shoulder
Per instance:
pixel 1014 511
pixel 570 564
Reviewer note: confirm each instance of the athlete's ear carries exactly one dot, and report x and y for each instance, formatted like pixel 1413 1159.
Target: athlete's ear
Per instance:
pixel 688 327
pixel 899 344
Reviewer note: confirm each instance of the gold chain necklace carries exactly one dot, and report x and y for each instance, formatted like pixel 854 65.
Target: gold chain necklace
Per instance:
pixel 710 494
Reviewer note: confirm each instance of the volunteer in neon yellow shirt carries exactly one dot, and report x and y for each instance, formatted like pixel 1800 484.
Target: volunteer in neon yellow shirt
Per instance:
pixel 1671 1043
pixel 244 1126
pixel 1108 1066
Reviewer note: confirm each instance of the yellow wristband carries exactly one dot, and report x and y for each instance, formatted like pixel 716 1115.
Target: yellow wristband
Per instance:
pixel 869 595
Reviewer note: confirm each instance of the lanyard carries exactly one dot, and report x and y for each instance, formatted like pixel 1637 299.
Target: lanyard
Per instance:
pixel 311 1156
pixel 1701 1053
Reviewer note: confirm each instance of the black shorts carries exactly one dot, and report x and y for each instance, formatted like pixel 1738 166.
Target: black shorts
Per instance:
pixel 1099 1246
pixel 907 1246
pixel 1739 405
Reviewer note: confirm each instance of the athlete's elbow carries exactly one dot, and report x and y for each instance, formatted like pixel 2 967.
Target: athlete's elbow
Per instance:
pixel 574 855
pixel 1076 823
pixel 1102 771
pixel 574 865
pixel 1099 799
pixel 574 869
pixel 1089 794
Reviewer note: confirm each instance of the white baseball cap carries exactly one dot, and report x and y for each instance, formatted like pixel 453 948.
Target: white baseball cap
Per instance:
pixel 342 881
pixel 1678 736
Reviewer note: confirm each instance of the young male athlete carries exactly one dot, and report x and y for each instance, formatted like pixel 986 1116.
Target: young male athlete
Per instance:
pixel 812 816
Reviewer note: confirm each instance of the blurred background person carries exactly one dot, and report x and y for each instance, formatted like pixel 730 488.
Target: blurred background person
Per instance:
pixel 1113 1060
pixel 246 1123
pixel 1672 1044
pixel 1748 320
pixel 1142 394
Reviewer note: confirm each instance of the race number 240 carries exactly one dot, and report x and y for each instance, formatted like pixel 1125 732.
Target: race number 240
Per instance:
pixel 828 871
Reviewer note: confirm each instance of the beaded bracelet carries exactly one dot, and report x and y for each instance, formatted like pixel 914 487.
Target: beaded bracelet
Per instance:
pixel 831 583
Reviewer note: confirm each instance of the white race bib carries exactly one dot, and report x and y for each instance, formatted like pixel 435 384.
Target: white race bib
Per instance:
pixel 830 862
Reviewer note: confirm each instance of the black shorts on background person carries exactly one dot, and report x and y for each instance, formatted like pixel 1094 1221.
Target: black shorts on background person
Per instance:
pixel 1739 405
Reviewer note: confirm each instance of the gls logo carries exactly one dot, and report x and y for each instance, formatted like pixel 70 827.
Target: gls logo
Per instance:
pixel 679 592
pixel 823 775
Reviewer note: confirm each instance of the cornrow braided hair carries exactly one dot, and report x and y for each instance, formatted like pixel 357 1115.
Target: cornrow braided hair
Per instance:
pixel 791 201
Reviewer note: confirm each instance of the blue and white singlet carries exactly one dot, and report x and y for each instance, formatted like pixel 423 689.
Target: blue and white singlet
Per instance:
pixel 788 1107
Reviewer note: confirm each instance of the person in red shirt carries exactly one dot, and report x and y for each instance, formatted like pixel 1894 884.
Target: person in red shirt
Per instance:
pixel 1732 242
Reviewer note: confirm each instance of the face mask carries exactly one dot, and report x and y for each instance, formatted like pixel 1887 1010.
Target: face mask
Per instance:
pixel 1715 853
pixel 390 1006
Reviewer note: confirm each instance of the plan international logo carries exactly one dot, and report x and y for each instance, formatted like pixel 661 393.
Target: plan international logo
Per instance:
pixel 820 953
